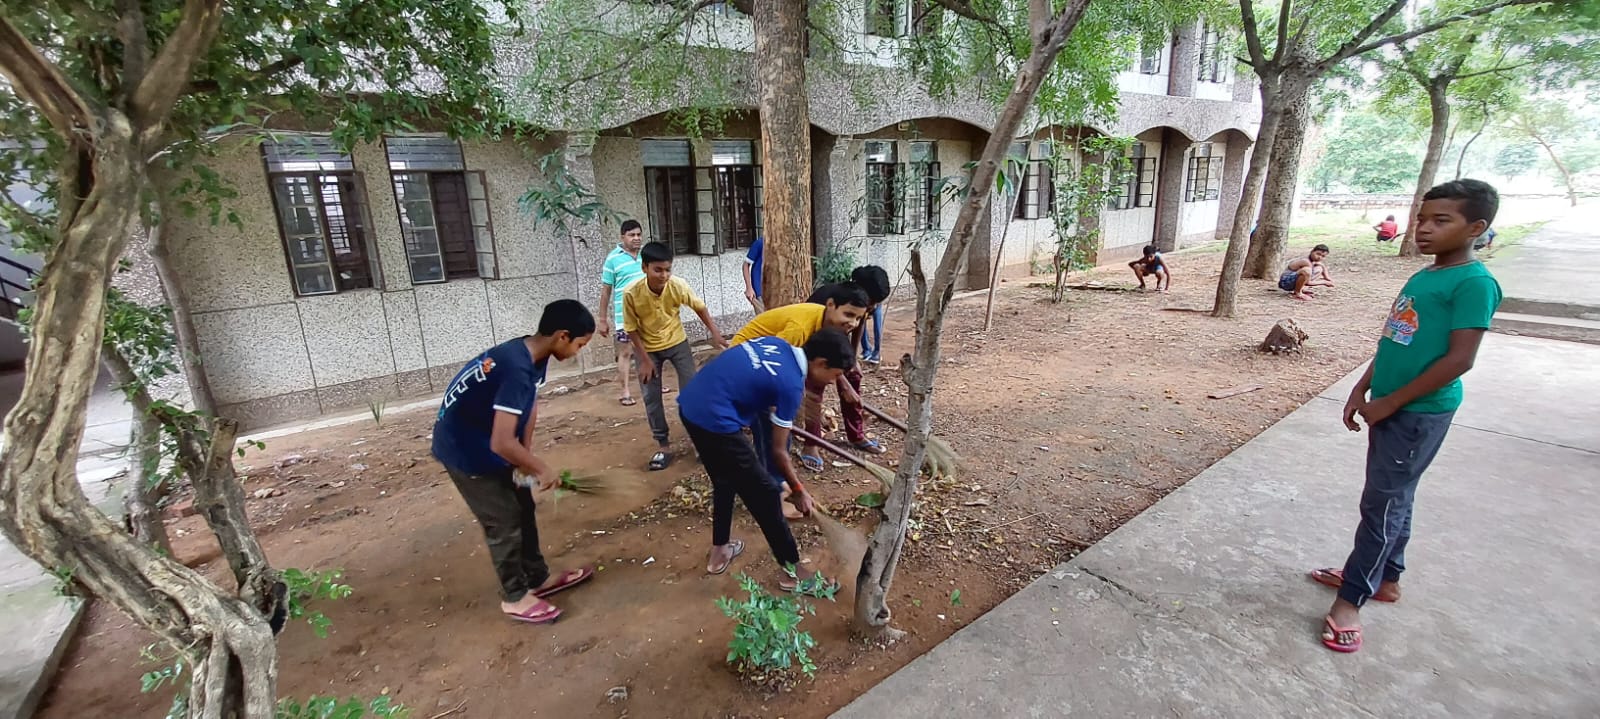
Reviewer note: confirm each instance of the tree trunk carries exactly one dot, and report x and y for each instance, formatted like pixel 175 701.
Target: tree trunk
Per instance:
pixel 1462 158
pixel 919 370
pixel 1277 203
pixel 1566 176
pixel 200 396
pixel 1439 105
pixel 1272 109
pixel 785 150
pixel 43 510
pixel 143 500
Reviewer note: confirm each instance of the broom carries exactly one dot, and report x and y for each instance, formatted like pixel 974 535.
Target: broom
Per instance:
pixel 941 459
pixel 884 475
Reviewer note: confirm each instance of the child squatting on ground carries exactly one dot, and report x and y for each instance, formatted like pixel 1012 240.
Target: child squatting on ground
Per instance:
pixel 484 437
pixel 1429 340
pixel 758 385
pixel 1152 265
pixel 650 317
pixel 1306 272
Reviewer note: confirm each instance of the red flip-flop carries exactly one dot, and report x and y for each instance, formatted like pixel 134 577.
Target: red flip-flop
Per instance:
pixel 1337 630
pixel 1331 577
pixel 568 580
pixel 541 612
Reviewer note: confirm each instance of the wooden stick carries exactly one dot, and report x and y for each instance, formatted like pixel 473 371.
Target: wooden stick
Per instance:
pixel 831 447
pixel 885 417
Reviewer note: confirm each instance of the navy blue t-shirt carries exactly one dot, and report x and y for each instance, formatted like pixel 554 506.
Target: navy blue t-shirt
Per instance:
pixel 503 379
pixel 728 393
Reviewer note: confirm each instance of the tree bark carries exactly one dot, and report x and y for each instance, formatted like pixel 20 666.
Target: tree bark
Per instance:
pixel 1272 109
pixel 785 150
pixel 919 370
pixel 1277 203
pixel 143 500
pixel 1566 176
pixel 1438 128
pixel 1462 158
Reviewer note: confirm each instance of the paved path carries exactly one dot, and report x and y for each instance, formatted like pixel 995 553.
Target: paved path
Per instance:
pixel 1547 267
pixel 1199 607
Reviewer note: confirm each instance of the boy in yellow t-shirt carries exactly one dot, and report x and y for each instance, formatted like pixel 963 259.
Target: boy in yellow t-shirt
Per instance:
pixel 842 310
pixel 655 329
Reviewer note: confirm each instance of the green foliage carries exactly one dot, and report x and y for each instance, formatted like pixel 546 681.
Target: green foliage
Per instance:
pixel 871 500
pixel 1083 188
pixel 1515 160
pixel 375 406
pixel 306 587
pixel 1370 151
pixel 767 639
pixel 955 597
pixel 334 708
pixel 815 586
pixel 564 199
pixel 835 264
pixel 64 586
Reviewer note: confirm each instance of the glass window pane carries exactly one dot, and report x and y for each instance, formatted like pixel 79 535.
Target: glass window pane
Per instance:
pixel 417 214
pixel 314 280
pixel 423 242
pixel 924 152
pixel 880 151
pixel 411 186
pixel 301 220
pixel 307 250
pixel 296 152
pixel 486 264
pixel 427 268
pixel 423 152
pixel 665 153
pixel 733 152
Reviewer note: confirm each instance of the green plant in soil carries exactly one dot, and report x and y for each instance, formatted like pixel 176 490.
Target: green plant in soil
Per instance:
pixel 767 641
pixel 305 587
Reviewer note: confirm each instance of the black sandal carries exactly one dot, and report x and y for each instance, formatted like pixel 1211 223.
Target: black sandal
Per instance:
pixel 660 460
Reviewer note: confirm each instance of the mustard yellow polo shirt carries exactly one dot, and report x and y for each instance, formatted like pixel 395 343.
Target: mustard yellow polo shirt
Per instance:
pixel 653 319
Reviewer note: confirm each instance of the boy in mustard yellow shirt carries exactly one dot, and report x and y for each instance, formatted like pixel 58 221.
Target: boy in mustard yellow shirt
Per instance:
pixel 651 318
pixel 842 310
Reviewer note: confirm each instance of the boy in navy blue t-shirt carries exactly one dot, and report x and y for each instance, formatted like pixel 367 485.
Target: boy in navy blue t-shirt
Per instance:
pixel 765 375
pixel 484 436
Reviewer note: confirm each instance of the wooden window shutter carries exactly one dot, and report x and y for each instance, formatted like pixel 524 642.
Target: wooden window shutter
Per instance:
pixel 482 225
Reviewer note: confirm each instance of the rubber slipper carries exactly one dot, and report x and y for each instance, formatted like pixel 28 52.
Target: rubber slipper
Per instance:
pixel 870 446
pixel 737 545
pixel 660 461
pixel 812 462
pixel 542 612
pixel 627 401
pixel 568 580
pixel 1336 630
pixel 1335 578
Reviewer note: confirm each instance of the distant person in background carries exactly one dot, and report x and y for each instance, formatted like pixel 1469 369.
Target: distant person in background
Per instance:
pixel 1305 273
pixel 620 270
pixel 1484 241
pixel 752 275
pixel 1388 229
pixel 1152 265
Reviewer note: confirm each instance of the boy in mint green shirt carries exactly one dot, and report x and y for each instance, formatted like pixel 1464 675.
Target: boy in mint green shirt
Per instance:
pixel 1429 340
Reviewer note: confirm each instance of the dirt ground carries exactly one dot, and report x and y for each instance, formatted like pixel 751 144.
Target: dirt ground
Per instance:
pixel 1072 417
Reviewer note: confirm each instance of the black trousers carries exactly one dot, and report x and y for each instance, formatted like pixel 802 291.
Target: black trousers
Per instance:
pixel 736 470
pixel 506 513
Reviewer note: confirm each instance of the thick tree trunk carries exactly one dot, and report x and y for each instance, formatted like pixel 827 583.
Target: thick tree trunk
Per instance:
pixel 1277 202
pixel 143 500
pixel 45 513
pixel 1272 109
pixel 1438 129
pixel 200 395
pixel 919 370
pixel 785 150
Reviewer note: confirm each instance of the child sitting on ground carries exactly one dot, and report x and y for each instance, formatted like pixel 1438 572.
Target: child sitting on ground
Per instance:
pixel 650 317
pixel 1388 229
pixel 1152 265
pixel 1305 272
pixel 757 386
pixel 484 435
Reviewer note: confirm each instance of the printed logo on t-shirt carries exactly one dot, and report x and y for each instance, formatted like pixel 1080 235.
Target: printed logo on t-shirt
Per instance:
pixel 468 377
pixel 1403 322
pixel 761 361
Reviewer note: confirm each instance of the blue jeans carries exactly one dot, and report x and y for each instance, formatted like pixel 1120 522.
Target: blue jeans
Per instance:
pixel 1399 450
pixel 872 342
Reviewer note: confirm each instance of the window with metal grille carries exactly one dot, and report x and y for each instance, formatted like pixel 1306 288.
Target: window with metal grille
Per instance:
pixel 927 17
pixel 1205 174
pixel 321 205
pixel 1213 57
pixel 708 209
pixel 923 176
pixel 1150 57
pixel 443 208
pixel 669 183
pixel 883 18
pixel 1138 189
pixel 1037 196
pixel 736 175
pixel 883 189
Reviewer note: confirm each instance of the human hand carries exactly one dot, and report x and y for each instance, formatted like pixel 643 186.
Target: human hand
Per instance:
pixel 750 294
pixel 1356 404
pixel 802 501
pixel 1378 410
pixel 604 327
pixel 647 368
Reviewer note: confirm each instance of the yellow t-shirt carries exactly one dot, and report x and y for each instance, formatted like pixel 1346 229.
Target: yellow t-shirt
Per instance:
pixel 653 319
pixel 791 323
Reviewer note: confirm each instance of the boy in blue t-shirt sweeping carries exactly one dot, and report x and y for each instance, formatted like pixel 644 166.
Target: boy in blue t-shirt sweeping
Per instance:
pixel 764 376
pixel 484 436
pixel 1430 339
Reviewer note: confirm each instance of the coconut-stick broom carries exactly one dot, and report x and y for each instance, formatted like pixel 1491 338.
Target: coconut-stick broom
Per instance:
pixel 941 459
pixel 883 474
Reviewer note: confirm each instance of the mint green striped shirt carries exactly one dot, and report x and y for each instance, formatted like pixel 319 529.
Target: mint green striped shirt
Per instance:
pixel 620 270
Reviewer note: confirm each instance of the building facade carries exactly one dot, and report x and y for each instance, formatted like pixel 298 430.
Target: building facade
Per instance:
pixel 372 275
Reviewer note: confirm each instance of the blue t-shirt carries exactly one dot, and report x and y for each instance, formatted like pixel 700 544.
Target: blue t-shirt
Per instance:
pixel 728 393
pixel 503 379
pixel 754 259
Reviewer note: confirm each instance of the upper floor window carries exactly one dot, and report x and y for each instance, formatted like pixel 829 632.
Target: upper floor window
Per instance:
pixel 322 214
pixel 1205 174
pixel 706 209
pixel 444 210
pixel 1138 189
pixel 922 207
pixel 903 18
pixel 1150 57
pixel 1213 57
pixel 883 190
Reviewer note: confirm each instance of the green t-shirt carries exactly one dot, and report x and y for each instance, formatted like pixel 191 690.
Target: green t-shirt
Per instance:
pixel 619 271
pixel 1434 303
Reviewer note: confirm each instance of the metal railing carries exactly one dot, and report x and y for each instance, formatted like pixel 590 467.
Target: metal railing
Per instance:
pixel 13 296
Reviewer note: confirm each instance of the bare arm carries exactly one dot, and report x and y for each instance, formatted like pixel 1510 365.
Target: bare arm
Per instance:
pixel 605 309
pixel 780 457
pixel 749 282
pixel 504 442
pixel 1456 361
pixel 1358 398
pixel 717 340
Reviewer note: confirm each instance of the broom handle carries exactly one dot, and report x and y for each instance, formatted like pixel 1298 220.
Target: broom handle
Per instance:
pixel 887 419
pixel 831 447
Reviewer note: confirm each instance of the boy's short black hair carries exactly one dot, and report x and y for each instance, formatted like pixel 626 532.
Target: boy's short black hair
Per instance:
pixel 848 293
pixel 568 315
pixel 1478 199
pixel 874 280
pixel 654 252
pixel 833 347
pixel 1321 248
pixel 1149 250
pixel 631 225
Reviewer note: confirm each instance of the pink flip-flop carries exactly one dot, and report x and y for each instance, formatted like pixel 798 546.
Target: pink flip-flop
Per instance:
pixel 542 612
pixel 568 580
pixel 1337 630
pixel 1335 578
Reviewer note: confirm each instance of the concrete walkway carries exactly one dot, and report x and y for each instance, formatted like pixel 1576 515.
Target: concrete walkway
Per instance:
pixel 1547 294
pixel 37 622
pixel 1200 607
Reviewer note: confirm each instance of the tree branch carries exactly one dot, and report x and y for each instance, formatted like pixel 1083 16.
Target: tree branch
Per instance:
pixel 1252 35
pixel 1284 8
pixel 1350 47
pixel 965 9
pixel 135 43
pixel 1495 70
pixel 169 72
pixel 38 81
pixel 660 35
pixel 1348 51
pixel 267 72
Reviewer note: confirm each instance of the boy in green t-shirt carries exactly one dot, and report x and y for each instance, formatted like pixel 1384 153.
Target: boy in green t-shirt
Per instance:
pixel 1429 340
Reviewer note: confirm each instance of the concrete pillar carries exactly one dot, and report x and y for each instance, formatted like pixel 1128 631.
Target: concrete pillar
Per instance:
pixel 1088 220
pixel 979 260
pixel 823 202
pixel 1184 72
pixel 1233 169
pixel 1169 189
pixel 590 244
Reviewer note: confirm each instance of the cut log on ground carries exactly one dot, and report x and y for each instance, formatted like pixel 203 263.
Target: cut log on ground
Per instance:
pixel 1234 391
pixel 1286 336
